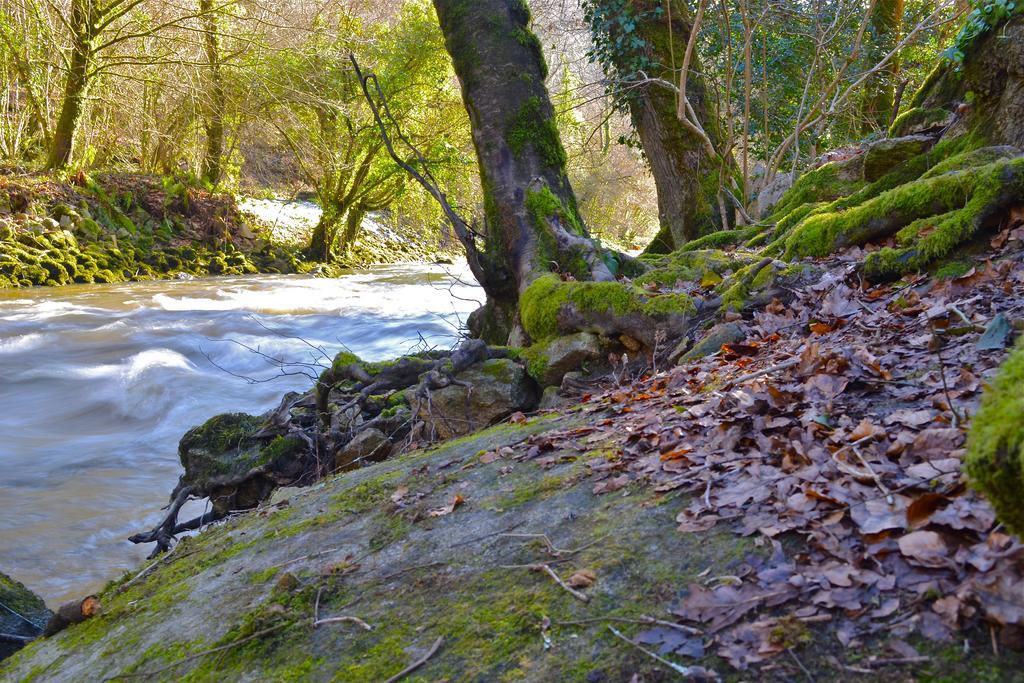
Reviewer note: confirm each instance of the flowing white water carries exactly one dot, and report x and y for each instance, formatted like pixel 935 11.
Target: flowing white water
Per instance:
pixel 98 383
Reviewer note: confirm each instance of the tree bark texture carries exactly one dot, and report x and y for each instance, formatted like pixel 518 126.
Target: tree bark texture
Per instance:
pixel 216 96
pixel 685 175
pixel 83 19
pixel 532 222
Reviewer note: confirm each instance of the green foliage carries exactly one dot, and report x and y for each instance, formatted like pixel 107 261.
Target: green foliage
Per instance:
pixel 985 16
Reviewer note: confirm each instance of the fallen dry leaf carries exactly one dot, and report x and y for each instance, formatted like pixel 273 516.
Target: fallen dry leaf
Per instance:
pixel 457 500
pixel 584 578
pixel 925 548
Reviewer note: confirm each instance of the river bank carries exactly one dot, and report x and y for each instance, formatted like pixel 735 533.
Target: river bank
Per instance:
pixel 119 227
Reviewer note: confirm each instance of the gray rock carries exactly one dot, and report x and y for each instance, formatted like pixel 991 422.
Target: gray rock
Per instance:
pixel 496 389
pixel 30 618
pixel 551 398
pixel 723 333
pixel 770 195
pixel 566 354
pixel 883 156
pixel 370 444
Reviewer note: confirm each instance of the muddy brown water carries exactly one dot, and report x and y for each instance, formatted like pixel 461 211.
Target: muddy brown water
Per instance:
pixel 98 383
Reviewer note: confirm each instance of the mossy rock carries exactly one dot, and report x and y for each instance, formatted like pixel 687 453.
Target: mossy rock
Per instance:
pixel 549 362
pixel 224 447
pixel 25 614
pixel 883 156
pixel 551 307
pixel 995 444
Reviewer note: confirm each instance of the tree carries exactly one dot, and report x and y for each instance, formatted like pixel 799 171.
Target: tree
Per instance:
pixel 96 31
pixel 880 89
pixel 216 98
pixel 532 225
pixel 320 111
pixel 643 45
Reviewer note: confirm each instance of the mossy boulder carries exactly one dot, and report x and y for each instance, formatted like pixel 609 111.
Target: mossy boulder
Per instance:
pixel 368 444
pixel 551 307
pixel 24 614
pixel 226 460
pixel 711 342
pixel 548 363
pixel 884 155
pixel 483 394
pixel 995 445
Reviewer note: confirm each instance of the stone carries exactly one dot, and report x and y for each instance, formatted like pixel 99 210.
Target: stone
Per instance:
pixel 569 353
pixel 770 195
pixel 883 156
pixel 551 399
pixel 723 333
pixel 496 389
pixel 371 444
pixel 226 460
pixel 27 604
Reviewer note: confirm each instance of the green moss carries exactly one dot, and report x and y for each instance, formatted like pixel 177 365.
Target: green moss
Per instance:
pixel 967 197
pixel 281 447
pixel 542 301
pixel 995 444
pixel 917 118
pixel 821 184
pixel 536 358
pixel 669 304
pixel 691 266
pixel 534 126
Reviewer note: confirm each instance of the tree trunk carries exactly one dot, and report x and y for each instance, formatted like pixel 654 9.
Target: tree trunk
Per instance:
pixel 214 123
pixel 983 96
pixel 532 223
pixel 353 223
pixel 76 85
pixel 321 242
pixel 685 175
pixel 879 90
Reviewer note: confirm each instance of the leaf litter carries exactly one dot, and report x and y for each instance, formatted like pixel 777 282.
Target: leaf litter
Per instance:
pixel 843 454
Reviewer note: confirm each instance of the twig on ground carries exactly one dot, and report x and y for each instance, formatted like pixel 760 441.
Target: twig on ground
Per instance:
pixel 945 388
pixel 683 670
pixel 784 365
pixel 486 536
pixel 800 664
pixel 874 475
pixel 557 579
pixel 552 550
pixel 343 620
pixel 418 663
pixel 645 620
pixel 125 586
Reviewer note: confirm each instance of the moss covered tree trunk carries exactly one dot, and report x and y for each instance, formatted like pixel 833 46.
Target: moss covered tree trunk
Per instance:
pixel 83 22
pixel 685 174
pixel 880 90
pixel 532 223
pixel 216 97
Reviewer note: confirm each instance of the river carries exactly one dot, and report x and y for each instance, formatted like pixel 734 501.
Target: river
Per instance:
pixel 99 382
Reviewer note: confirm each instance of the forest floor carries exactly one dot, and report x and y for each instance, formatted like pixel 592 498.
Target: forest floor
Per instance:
pixel 114 227
pixel 789 508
